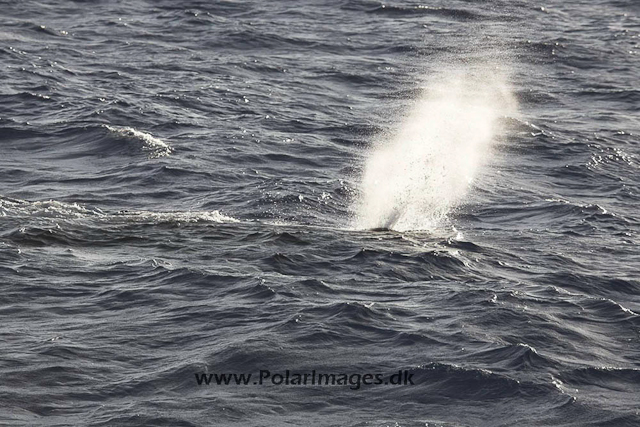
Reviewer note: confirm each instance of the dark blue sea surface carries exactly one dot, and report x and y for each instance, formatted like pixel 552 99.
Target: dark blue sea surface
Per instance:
pixel 450 189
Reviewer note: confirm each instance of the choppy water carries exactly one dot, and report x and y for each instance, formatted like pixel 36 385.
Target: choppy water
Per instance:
pixel 448 188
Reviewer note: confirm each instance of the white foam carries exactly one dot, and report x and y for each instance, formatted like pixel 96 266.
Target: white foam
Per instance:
pixel 176 217
pixel 44 209
pixel 154 146
pixel 413 178
pixel 62 210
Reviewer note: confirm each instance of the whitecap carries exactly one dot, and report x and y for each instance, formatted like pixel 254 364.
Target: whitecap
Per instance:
pixel 44 209
pixel 154 146
pixel 175 217
pixel 61 210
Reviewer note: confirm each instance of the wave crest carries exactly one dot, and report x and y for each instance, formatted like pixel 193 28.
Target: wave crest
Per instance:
pixel 154 146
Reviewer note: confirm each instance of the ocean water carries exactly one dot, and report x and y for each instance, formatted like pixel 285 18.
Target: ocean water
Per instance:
pixel 202 188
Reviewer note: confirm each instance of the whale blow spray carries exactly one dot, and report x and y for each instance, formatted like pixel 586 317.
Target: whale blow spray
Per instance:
pixel 414 177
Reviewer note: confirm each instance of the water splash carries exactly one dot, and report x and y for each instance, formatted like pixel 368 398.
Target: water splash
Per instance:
pixel 413 178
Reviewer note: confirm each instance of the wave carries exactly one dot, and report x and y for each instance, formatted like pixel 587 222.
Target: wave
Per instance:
pixel 79 139
pixel 458 14
pixel 16 208
pixel 174 217
pixel 44 209
pixel 154 146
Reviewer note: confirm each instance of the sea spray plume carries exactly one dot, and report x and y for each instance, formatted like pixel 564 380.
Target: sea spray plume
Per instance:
pixel 413 179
